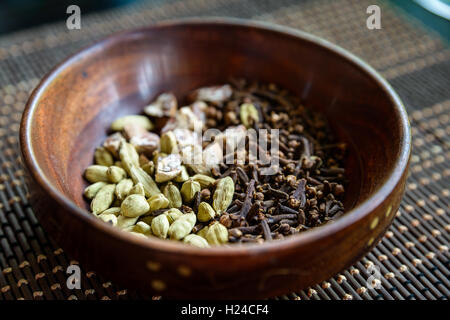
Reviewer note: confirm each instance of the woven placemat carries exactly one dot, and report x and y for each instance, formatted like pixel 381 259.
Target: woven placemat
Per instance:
pixel 412 258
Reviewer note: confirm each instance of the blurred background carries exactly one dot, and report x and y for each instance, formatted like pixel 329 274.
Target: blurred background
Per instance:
pixel 22 14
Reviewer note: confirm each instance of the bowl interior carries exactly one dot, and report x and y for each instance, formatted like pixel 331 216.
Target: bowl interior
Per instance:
pixel 120 75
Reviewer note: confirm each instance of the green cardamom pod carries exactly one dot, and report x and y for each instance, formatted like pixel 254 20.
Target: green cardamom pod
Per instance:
pixel 205 212
pixel 92 189
pixel 150 186
pixel 103 199
pixel 103 157
pixel 160 226
pixel 138 189
pixel 182 226
pixel 203 231
pixel 149 167
pixel 249 114
pixel 113 210
pixel 223 196
pixel 182 176
pixel 96 173
pixel 134 205
pixel 123 188
pixel 116 174
pixel 217 234
pixel 173 195
pixel 121 122
pixel 147 219
pixel 204 180
pixel 168 143
pixel 125 222
pixel 196 241
pixel 109 218
pixel 158 201
pixel 119 164
pixel 173 214
pixel 142 227
pixel 128 156
pixel 189 189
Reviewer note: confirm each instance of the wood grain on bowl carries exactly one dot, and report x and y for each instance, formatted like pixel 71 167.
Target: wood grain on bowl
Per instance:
pixel 67 115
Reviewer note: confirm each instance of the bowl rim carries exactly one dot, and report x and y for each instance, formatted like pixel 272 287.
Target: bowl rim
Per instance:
pixel 315 234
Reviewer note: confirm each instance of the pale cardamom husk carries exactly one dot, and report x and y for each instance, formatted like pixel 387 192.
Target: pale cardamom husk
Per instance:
pixel 168 143
pixel 138 189
pixel 142 227
pixel 103 157
pixel 173 195
pixel 217 234
pixel 134 205
pixel 113 210
pixel 196 241
pixel 173 214
pixel 142 121
pixel 116 174
pixel 248 114
pixel 149 168
pixel 203 231
pixel 205 212
pixel 160 226
pixel 189 189
pixel 204 180
pixel 126 222
pixel 158 201
pixel 147 219
pixel 150 186
pixel 96 173
pixel 223 196
pixel 103 199
pixel 109 218
pixel 182 176
pixel 92 189
pixel 123 188
pixel 128 156
pixel 182 226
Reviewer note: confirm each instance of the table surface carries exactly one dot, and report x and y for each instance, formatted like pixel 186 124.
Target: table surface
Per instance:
pixel 412 258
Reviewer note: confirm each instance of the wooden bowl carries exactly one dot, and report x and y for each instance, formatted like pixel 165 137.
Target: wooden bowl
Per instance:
pixel 67 116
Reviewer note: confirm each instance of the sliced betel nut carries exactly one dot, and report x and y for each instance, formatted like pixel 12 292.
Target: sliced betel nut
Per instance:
pixel 145 142
pixel 164 106
pixel 168 168
pixel 215 94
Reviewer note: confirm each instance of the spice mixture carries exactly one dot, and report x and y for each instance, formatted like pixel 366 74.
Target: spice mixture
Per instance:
pixel 242 162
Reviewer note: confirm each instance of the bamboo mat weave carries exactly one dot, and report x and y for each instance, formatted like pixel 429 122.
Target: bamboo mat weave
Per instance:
pixel 413 257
